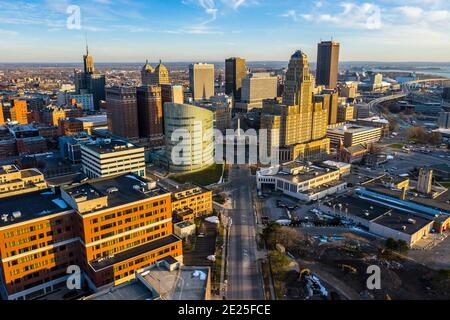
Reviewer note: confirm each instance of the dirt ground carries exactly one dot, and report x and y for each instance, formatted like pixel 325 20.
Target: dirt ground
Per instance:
pixel 400 279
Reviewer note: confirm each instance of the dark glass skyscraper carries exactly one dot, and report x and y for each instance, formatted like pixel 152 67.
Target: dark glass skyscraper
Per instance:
pixel 90 81
pixel 327 64
pixel 234 73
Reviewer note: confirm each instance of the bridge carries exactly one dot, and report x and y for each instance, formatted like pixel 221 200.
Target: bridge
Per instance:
pixel 407 86
pixel 407 92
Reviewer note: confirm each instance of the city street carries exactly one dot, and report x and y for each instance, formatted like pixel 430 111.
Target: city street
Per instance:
pixel 244 275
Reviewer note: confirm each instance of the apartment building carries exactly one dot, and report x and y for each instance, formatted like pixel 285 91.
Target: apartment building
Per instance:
pixel 14 181
pixel 189 197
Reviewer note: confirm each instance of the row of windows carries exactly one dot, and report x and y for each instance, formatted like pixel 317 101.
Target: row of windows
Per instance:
pixel 128 211
pixel 128 228
pixel 37 255
pixel 21 231
pixel 140 261
pixel 35 237
pixel 130 236
pixel 130 245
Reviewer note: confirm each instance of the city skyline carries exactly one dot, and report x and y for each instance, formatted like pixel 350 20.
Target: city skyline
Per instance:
pixel 212 30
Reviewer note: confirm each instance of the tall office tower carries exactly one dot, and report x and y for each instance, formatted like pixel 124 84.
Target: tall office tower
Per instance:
pixel 444 120
pixel 201 80
pixel 122 114
pixel 330 101
pixel 146 72
pixel 156 76
pixel 255 88
pixel 150 113
pixel 90 81
pixel 327 64
pixel 425 181
pixel 194 151
pixel 235 71
pixel 300 122
pixel 88 62
pixel 299 82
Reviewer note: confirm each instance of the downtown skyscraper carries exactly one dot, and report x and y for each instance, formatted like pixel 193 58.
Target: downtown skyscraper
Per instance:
pixel 235 71
pixel 327 64
pixel 297 126
pixel 90 81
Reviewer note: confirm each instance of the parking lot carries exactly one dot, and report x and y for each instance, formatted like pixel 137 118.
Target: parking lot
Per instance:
pixel 275 206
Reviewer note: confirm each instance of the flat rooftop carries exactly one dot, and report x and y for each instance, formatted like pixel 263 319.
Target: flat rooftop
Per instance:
pixel 442 202
pixel 134 252
pixel 185 283
pixel 181 188
pixel 134 290
pixel 357 207
pixel 120 189
pixel 108 146
pixel 96 119
pixel 31 205
pixel 352 128
pixel 306 174
pixel 402 221
pixel 27 173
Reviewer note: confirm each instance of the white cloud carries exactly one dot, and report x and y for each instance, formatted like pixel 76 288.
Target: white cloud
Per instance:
pixel 352 15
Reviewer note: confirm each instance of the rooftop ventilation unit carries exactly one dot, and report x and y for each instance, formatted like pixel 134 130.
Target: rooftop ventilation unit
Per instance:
pixel 17 214
pixel 403 228
pixel 112 190
pixel 4 217
pixel 412 221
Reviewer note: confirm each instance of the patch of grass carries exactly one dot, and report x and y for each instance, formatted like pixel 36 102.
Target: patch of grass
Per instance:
pixel 396 146
pixel 253 170
pixel 202 178
pixel 219 198
pixel 445 184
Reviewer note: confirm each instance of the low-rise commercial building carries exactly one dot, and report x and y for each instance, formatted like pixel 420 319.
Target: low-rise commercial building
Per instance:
pixel 14 181
pixel 381 220
pixel 351 135
pixel 305 182
pixel 107 157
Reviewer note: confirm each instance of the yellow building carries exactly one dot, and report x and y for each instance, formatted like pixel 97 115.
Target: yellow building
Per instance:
pixel 154 77
pixel 345 113
pixel 14 181
pixel 190 196
pixel 298 126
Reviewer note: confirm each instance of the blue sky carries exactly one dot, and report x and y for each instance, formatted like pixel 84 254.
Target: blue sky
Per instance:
pixel 211 30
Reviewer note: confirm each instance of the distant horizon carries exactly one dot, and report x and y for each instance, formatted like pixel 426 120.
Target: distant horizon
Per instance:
pixel 222 61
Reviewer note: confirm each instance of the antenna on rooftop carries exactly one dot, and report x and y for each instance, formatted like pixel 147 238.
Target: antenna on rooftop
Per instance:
pixel 86 38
